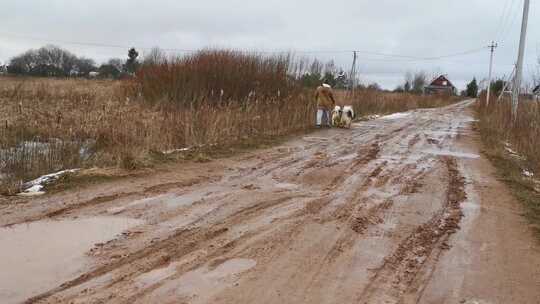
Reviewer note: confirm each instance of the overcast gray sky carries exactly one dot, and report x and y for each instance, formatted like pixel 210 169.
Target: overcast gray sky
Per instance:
pixel 419 28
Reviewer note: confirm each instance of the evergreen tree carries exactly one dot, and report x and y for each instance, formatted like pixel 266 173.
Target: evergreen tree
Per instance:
pixel 131 62
pixel 407 86
pixel 472 89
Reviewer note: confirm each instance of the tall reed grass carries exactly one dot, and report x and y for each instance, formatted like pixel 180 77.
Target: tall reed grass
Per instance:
pixel 498 127
pixel 209 99
pixel 513 147
pixel 217 76
pixel 368 102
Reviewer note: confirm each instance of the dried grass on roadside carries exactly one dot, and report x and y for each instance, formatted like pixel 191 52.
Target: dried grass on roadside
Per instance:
pixel 513 148
pixel 212 99
pixel 79 122
pixel 368 102
pixel 498 128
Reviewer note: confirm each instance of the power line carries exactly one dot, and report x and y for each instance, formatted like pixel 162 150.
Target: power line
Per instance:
pixel 502 19
pixel 92 44
pixel 406 58
pixel 513 13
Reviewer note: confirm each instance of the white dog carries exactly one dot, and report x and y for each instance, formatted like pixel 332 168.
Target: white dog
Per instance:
pixel 343 117
pixel 336 116
pixel 347 116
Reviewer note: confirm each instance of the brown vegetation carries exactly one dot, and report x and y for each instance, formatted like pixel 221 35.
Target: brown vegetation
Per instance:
pixel 210 99
pixel 512 146
pixel 367 102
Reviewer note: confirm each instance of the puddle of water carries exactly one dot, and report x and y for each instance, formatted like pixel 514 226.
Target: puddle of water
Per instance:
pixel 152 277
pixel 395 116
pixel 286 186
pixel 202 284
pixel 41 255
pixel 315 139
pixel 440 134
pixel 157 275
pixel 451 153
pixel 140 202
pixel 268 217
pixel 193 197
pixel 347 157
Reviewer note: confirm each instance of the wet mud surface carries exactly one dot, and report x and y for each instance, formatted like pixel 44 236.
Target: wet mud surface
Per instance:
pixel 396 210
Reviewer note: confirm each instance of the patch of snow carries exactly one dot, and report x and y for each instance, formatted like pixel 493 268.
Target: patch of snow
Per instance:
pixel 395 116
pixel 35 186
pixel 509 150
pixel 451 153
pixel 372 117
pixel 527 173
pixel 33 191
pixel 176 150
pixel 513 153
pixel 190 148
pixel 347 157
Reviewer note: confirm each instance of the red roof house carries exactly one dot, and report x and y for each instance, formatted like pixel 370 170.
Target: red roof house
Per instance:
pixel 440 85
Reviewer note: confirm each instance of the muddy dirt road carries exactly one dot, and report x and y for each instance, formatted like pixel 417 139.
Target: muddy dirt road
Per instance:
pixel 402 209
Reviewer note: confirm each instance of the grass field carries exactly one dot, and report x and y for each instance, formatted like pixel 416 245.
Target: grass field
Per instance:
pixel 53 124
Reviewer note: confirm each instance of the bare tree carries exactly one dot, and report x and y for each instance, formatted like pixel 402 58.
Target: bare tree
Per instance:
pixel 50 61
pixel 155 56
pixel 419 82
pixel 408 82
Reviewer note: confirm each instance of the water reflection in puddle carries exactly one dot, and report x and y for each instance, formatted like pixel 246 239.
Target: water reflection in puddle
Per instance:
pixel 201 284
pixel 451 153
pixel 38 256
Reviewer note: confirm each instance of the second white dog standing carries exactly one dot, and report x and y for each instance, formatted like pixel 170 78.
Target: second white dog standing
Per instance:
pixel 343 117
pixel 347 116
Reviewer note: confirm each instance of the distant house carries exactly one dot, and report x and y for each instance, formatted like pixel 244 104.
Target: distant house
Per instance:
pixel 441 85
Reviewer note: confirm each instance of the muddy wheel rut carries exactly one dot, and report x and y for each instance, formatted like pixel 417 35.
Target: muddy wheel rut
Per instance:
pixel 396 276
pixel 341 216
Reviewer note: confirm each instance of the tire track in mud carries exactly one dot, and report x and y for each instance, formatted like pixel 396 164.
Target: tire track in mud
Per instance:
pixel 104 199
pixel 396 276
pixel 185 241
pixel 162 251
pixel 365 156
pixel 356 213
pixel 173 247
pixel 359 216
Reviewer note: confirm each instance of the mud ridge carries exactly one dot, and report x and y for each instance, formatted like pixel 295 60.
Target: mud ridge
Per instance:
pixel 395 277
pixel 156 189
pixel 175 246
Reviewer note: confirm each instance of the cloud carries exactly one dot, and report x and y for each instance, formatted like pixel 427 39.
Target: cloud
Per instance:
pixel 418 28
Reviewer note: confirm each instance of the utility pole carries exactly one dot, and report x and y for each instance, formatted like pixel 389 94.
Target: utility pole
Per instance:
pixel 493 46
pixel 353 74
pixel 519 66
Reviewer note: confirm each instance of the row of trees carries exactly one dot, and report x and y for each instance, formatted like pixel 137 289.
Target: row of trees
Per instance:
pixel 53 61
pixel 414 83
pixel 473 88
pixel 319 72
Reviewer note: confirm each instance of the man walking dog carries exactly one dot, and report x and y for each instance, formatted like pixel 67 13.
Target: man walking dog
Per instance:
pixel 325 103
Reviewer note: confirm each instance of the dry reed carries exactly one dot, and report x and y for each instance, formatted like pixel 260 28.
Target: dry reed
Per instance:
pixel 54 124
